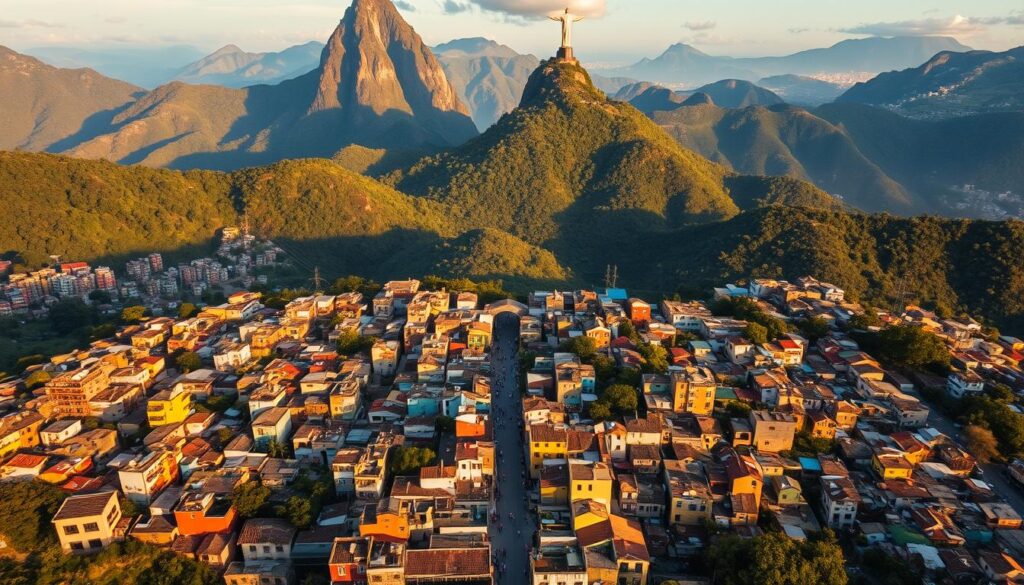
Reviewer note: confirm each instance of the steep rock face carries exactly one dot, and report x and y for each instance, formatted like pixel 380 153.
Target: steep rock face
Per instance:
pixel 43 105
pixel 375 60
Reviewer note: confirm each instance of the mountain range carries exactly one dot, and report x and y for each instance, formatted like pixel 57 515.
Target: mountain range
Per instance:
pixel 230 66
pixel 377 85
pixel 949 85
pixel 728 93
pixel 684 65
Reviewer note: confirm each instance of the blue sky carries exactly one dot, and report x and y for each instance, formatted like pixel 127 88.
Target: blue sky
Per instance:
pixel 628 29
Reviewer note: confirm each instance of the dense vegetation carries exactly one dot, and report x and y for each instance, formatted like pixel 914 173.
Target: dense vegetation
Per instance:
pixel 25 512
pixel 774 559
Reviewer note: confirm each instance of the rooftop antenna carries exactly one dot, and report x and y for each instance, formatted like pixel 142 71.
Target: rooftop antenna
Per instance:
pixel 611 276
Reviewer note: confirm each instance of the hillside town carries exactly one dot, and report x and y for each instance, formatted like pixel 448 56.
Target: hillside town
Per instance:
pixel 236 264
pixel 415 436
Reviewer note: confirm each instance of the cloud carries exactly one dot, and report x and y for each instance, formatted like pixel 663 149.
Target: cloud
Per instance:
pixel 404 5
pixel 541 8
pixel 705 25
pixel 797 30
pixel 454 6
pixel 31 23
pixel 956 25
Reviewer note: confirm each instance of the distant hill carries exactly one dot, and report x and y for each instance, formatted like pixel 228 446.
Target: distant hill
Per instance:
pixel 683 64
pixel 141 65
pixel 488 77
pixel 787 141
pixel 44 107
pixel 727 93
pixel 377 86
pixel 801 90
pixel 949 84
pixel 230 66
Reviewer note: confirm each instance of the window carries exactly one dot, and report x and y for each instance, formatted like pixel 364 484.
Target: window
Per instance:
pixel 77 546
pixel 266 548
pixel 95 543
pixel 252 548
pixel 91 527
pixel 71 529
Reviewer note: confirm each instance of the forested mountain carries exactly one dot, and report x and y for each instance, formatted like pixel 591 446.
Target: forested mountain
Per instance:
pixel 727 93
pixel 43 106
pixel 949 85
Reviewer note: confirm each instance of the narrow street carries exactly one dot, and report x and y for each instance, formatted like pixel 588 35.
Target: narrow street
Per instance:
pixel 512 534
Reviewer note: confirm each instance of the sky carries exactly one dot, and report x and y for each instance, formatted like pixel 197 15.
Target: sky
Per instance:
pixel 617 32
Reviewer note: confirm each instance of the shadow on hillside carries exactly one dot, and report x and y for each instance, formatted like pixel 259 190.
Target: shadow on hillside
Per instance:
pixel 93 126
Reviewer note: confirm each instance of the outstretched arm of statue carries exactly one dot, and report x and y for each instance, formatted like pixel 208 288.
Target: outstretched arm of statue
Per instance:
pixel 577 19
pixel 555 18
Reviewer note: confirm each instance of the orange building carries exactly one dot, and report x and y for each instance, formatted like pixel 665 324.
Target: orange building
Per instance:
pixel 204 513
pixel 387 521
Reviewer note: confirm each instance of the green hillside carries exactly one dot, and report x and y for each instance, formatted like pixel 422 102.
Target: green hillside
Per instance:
pixel 566 153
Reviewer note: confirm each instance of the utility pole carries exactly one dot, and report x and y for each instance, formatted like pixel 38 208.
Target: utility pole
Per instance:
pixel 611 276
pixel 318 283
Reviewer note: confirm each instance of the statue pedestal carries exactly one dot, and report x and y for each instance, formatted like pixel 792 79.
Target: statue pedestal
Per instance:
pixel 565 55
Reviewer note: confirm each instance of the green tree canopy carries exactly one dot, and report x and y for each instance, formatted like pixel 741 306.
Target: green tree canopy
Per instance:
pixel 26 508
pixel 187 310
pixel 70 315
pixel 774 559
pixel 36 379
pixel 407 460
pixel 906 346
pixel 188 361
pixel 582 346
pixel 756 333
pixel 250 498
pixel 351 343
pixel 133 314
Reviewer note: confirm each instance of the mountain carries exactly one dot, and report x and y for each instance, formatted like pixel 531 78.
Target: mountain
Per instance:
pixel 787 141
pixel 801 90
pixel 736 93
pixel 949 84
pixel 232 67
pixel 377 85
pixel 141 65
pixel 488 77
pixel 43 105
pixel 649 98
pixel 580 175
pixel 683 64
pixel 728 93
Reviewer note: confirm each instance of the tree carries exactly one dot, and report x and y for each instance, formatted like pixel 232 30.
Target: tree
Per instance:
pixel 100 297
pixel 26 508
pixel 298 511
pixel 756 333
pixel 250 498
pixel 36 379
pixel 1000 392
pixel 187 311
pixel 1006 425
pixel 626 329
pixel 865 320
pixel 621 398
pixel 981 443
pixel 604 369
pixel 583 346
pixel 774 559
pixel 906 346
pixel 655 357
pixel 133 314
pixel 69 315
pixel 600 410
pixel 407 460
pixel 351 343
pixel 814 328
pixel 188 361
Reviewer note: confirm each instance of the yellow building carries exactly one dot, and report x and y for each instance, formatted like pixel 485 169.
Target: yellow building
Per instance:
pixel 689 495
pixel 478 336
pixel 693 391
pixel 169 407
pixel 590 481
pixel 554 485
pixel 587 513
pixel 891 466
pixel 546 442
pixel 85 524
pixel 19 431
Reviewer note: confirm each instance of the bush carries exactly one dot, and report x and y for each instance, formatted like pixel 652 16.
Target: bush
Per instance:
pixel 407 460
pixel 25 512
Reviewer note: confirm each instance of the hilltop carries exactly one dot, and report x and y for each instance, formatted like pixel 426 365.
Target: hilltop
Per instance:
pixel 949 85
pixel 45 107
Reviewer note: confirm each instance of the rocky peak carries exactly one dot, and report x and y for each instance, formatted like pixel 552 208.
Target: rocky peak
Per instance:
pixel 375 61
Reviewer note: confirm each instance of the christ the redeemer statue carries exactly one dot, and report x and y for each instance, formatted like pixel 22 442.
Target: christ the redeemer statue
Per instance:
pixel 567 19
